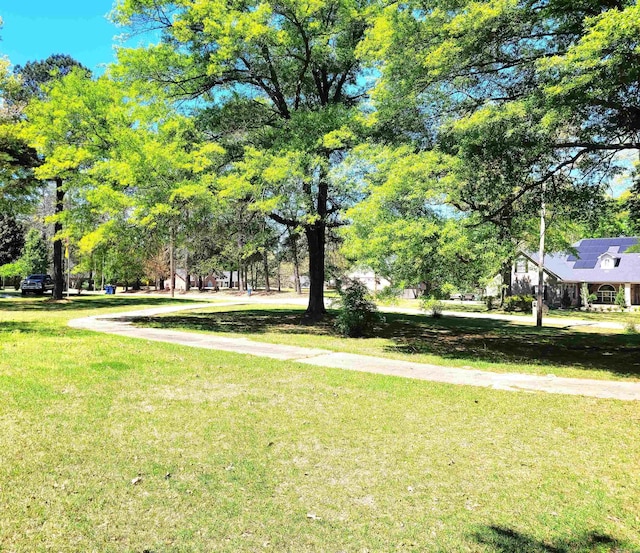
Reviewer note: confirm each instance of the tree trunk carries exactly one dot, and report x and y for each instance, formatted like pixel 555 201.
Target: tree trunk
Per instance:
pixel 241 279
pixel 267 286
pixel 58 255
pixel 316 240
pixel 296 265
pixel 200 282
pixel 278 277
pixel 505 272
pixel 187 284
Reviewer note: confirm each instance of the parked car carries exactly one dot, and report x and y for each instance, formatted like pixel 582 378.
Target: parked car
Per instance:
pixel 38 284
pixel 455 297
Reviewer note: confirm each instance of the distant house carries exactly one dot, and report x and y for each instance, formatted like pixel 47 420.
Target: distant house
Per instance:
pixel 371 280
pixel 602 263
pixel 225 279
pixel 181 280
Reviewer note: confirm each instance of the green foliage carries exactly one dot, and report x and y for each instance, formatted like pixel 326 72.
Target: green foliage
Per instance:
pixel 388 295
pixel 283 85
pixel 400 229
pixel 587 298
pixel 357 313
pixel 15 269
pixel 432 306
pixel 620 299
pixel 518 96
pixel 489 301
pixel 11 239
pixel 35 255
pixel 35 75
pixel 518 303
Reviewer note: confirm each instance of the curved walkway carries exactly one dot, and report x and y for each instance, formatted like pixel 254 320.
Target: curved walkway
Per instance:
pixel 119 325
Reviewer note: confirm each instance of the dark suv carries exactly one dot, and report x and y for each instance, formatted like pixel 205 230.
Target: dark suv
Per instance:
pixel 38 284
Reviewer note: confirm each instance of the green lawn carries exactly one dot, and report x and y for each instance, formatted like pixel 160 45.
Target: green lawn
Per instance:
pixel 112 444
pixel 474 307
pixel 498 346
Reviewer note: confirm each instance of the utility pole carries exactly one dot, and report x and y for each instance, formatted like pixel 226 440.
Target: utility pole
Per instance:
pixel 540 294
pixel 172 262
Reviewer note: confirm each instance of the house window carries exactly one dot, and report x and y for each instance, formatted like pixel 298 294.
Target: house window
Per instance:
pixel 521 265
pixel 606 294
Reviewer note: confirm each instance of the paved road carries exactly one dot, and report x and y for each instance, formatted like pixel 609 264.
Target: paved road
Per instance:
pixel 117 324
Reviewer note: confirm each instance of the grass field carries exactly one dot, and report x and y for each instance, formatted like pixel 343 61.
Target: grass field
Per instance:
pixel 479 307
pixel 493 345
pixel 121 445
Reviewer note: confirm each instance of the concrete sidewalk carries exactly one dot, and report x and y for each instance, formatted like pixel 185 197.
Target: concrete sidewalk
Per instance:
pixel 117 324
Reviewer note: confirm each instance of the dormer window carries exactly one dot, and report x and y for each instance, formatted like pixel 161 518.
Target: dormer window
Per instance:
pixel 607 261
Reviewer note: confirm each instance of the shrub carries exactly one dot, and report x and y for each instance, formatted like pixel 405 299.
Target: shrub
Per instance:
pixel 388 295
pixel 620 299
pixel 565 301
pixel 432 306
pixel 587 299
pixel 518 303
pixel 489 302
pixel 357 314
pixel 526 303
pixel 509 303
pixel 447 289
pixel 631 328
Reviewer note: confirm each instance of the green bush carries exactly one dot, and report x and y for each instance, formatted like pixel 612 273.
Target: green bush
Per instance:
pixel 620 299
pixel 357 314
pixel 489 302
pixel 432 307
pixel 388 295
pixel 518 303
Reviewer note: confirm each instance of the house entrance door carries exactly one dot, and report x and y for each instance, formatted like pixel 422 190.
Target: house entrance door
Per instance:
pixel 635 294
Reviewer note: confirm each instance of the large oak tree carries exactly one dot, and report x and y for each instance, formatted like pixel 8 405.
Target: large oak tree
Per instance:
pixel 284 83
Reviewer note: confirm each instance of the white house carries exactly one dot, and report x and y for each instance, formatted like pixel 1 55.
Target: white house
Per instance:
pixel 373 282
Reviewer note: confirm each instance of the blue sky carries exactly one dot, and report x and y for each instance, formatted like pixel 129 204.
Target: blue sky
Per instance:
pixel 35 29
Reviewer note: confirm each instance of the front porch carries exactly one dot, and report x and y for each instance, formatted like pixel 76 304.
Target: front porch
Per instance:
pixel 605 293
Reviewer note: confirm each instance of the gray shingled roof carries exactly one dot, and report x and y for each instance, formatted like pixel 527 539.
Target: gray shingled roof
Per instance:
pixel 584 266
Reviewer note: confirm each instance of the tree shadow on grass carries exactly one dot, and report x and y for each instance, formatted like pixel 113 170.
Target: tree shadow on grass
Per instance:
pixel 8 327
pixel 497 341
pixel 459 338
pixel 78 303
pixel 506 540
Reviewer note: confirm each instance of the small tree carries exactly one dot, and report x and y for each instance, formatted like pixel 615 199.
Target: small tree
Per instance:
pixel 35 255
pixel 586 297
pixel 11 239
pixel 432 307
pixel 357 314
pixel 620 300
